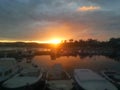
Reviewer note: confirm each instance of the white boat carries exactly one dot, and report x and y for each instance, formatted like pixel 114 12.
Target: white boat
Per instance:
pixel 88 80
pixel 57 79
pixel 28 78
pixel 8 68
pixel 112 76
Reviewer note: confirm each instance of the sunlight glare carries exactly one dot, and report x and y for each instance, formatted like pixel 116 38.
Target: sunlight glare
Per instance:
pixel 55 41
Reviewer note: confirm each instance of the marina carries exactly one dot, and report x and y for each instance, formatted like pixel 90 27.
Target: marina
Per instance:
pixel 61 68
pixel 59 45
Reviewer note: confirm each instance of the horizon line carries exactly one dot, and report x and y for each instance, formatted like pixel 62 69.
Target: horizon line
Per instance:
pixel 45 41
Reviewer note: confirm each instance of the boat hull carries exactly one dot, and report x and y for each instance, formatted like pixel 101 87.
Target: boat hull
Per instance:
pixel 89 80
pixel 35 86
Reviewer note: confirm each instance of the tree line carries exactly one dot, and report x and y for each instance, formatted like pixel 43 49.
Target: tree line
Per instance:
pixel 90 43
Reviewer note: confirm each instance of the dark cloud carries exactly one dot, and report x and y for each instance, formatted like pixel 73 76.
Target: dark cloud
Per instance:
pixel 23 19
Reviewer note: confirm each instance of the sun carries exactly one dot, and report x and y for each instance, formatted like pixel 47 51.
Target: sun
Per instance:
pixel 55 41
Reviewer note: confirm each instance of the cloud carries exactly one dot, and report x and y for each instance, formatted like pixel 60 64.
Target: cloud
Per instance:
pixel 88 8
pixel 40 19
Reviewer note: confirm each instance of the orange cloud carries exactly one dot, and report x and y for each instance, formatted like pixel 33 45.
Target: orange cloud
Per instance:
pixel 88 8
pixel 52 31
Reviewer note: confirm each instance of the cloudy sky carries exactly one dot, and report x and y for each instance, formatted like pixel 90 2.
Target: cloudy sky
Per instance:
pixel 42 20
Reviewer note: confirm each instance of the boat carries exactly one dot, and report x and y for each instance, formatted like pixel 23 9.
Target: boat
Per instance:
pixel 58 79
pixel 28 78
pixel 8 68
pixel 112 76
pixel 87 79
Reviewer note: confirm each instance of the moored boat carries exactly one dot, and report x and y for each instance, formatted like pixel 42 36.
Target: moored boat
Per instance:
pixel 87 79
pixel 58 79
pixel 8 68
pixel 28 78
pixel 112 76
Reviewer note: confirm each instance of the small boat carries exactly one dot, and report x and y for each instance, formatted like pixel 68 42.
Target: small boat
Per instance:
pixel 57 79
pixel 8 68
pixel 112 76
pixel 87 79
pixel 28 78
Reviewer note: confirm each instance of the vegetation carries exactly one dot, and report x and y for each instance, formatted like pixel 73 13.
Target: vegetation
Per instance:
pixel 91 43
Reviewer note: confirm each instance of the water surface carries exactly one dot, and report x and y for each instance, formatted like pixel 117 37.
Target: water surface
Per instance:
pixel 69 63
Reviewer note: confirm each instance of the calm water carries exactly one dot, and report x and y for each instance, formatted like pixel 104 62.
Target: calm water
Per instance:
pixel 69 63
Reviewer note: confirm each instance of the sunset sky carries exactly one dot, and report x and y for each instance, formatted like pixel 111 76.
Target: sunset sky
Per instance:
pixel 44 20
